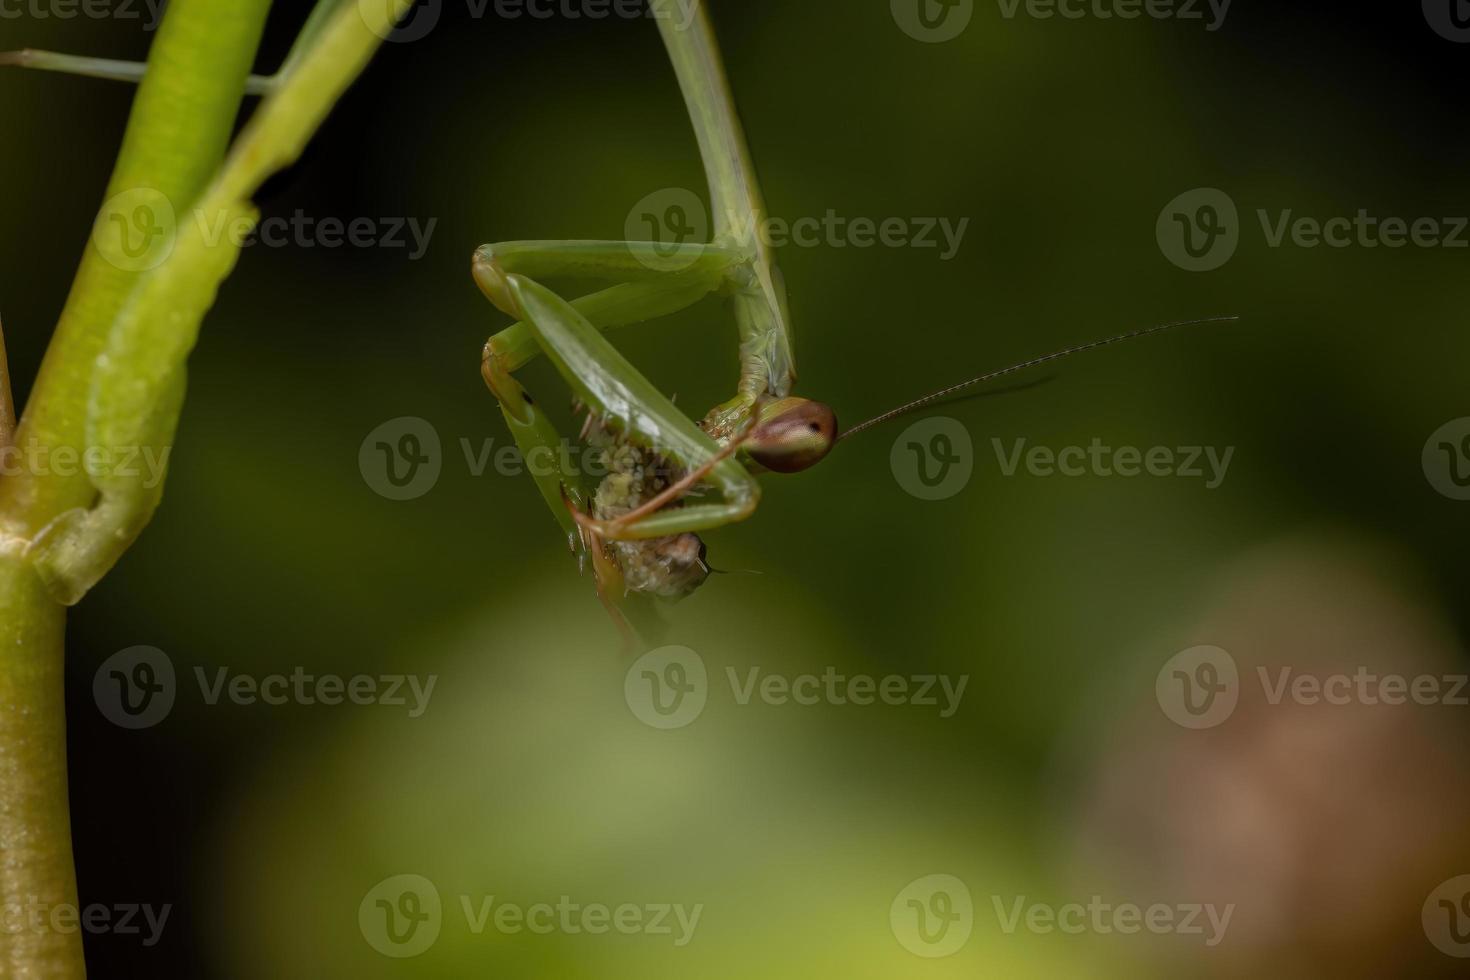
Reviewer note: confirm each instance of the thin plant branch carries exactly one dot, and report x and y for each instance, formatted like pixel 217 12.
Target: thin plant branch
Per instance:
pixel 7 397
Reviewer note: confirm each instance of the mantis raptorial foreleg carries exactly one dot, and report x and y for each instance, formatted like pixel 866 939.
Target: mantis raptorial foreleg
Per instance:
pixel 655 280
pixel 601 377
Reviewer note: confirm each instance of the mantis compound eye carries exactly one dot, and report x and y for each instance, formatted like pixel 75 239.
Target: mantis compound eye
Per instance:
pixel 792 434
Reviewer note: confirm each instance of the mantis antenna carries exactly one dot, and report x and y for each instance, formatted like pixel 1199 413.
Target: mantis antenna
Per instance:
pixel 927 400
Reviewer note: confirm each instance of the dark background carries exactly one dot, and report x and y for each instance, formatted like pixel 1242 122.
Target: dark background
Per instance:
pixel 1325 548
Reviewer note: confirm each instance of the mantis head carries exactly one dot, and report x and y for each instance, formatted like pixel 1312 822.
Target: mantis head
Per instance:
pixel 791 434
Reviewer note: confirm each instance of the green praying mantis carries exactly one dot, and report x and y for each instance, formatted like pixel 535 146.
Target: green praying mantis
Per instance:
pixel 639 528
pixel 647 541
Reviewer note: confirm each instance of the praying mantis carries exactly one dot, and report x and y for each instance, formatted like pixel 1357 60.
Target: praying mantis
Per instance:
pixel 639 528
pixel 764 427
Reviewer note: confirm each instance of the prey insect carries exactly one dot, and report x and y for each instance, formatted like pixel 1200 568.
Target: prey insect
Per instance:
pixel 639 529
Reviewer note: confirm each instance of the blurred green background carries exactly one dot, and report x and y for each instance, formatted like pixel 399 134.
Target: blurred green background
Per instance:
pixel 528 778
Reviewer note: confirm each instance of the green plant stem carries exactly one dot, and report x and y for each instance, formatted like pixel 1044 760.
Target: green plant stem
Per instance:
pixel 7 397
pixel 35 831
pixel 177 134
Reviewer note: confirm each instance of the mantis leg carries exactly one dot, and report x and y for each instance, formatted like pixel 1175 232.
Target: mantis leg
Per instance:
pixel 655 280
pixel 605 381
pixel 654 289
